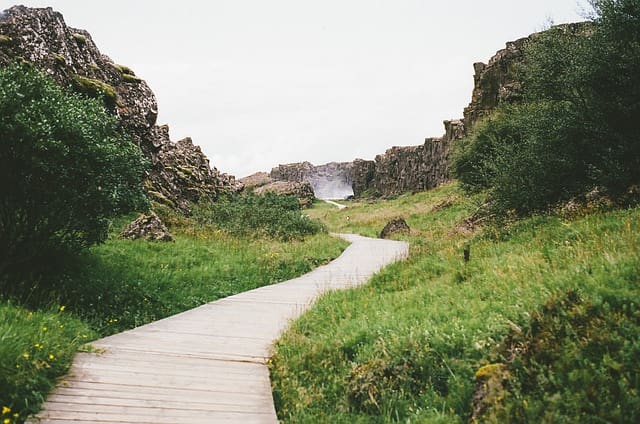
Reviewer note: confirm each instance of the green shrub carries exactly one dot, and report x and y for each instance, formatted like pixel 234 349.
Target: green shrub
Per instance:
pixel 64 168
pixel 270 215
pixel 577 126
pixel 574 362
pixel 526 157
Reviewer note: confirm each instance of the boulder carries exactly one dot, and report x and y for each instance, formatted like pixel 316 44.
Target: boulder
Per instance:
pixel 302 191
pixel 148 227
pixel 256 180
pixel 393 227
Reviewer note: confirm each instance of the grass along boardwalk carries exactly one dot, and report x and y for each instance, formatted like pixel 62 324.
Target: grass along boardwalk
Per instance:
pixel 208 364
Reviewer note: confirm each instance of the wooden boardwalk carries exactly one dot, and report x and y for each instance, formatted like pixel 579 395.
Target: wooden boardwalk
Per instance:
pixel 208 364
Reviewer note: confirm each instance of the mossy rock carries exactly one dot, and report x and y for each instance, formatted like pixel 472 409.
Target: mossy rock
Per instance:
pixel 161 198
pixel 125 70
pixel 186 170
pixel 489 394
pixel 60 60
pixel 80 39
pixel 95 88
pixel 131 78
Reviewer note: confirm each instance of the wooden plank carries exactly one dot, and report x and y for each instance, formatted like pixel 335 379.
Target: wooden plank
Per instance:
pixel 161 393
pixel 205 365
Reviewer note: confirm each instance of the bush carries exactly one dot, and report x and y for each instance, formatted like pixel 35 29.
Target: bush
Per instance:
pixel 270 215
pixel 525 157
pixel 576 127
pixel 65 169
pixel 574 362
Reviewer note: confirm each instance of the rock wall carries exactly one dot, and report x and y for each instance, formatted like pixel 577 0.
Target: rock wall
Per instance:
pixel 180 172
pixel 329 181
pixel 422 167
pixel 261 183
pixel 495 82
pixel 411 168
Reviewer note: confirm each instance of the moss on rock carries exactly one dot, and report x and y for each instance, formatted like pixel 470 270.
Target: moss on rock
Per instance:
pixel 95 88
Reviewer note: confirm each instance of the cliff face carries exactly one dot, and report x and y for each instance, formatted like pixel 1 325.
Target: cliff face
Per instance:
pixel 180 172
pixel 410 168
pixel 418 168
pixel 495 82
pixel 329 181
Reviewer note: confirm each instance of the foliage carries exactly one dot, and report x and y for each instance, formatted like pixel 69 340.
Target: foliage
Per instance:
pixel 406 347
pixel 269 215
pixel 577 126
pixel 126 283
pixel 574 361
pixel 35 349
pixel 64 168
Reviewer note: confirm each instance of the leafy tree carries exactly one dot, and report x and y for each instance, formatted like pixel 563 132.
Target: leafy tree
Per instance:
pixel 64 168
pixel 577 126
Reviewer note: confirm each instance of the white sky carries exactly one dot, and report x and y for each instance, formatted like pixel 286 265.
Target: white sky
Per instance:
pixel 257 83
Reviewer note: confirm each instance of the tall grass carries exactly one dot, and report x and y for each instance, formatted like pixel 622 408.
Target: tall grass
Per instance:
pixel 407 346
pixel 122 284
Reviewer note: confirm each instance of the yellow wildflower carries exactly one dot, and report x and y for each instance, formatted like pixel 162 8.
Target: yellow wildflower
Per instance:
pixel 38 345
pixel 5 410
pixel 26 355
pixel 6 421
pixel 44 328
pixel 51 357
pixel 61 308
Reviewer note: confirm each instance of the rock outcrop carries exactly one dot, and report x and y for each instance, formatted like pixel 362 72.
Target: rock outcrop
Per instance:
pixel 393 227
pixel 261 183
pixel 180 173
pixel 363 174
pixel 302 190
pixel 148 227
pixel 495 82
pixel 407 169
pixel 256 180
pixel 329 181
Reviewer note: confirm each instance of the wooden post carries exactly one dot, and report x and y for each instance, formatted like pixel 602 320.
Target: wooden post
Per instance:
pixel 467 252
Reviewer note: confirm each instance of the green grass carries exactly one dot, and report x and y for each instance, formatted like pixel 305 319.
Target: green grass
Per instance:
pixel 406 347
pixel 122 284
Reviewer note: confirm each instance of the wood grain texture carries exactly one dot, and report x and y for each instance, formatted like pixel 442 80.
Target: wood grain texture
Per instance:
pixel 208 364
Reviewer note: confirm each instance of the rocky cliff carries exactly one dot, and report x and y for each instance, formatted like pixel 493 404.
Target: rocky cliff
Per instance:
pixel 417 168
pixel 333 180
pixel 180 172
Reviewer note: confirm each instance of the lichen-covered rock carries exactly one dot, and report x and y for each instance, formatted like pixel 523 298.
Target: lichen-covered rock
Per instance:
pixel 295 172
pixel 489 392
pixel 302 191
pixel 180 172
pixel 256 180
pixel 393 227
pixel 148 227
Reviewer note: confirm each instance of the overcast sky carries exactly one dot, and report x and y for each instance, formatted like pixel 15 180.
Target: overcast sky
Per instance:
pixel 257 83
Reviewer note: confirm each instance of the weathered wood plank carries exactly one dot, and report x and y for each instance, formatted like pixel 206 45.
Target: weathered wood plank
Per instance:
pixel 205 365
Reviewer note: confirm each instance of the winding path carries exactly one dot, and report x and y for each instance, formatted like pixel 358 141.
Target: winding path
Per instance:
pixel 208 364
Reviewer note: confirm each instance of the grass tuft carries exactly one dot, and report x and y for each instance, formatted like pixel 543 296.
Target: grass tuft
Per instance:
pixel 409 345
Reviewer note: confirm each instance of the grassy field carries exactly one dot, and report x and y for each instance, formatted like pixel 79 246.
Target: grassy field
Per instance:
pixel 541 325
pixel 123 284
